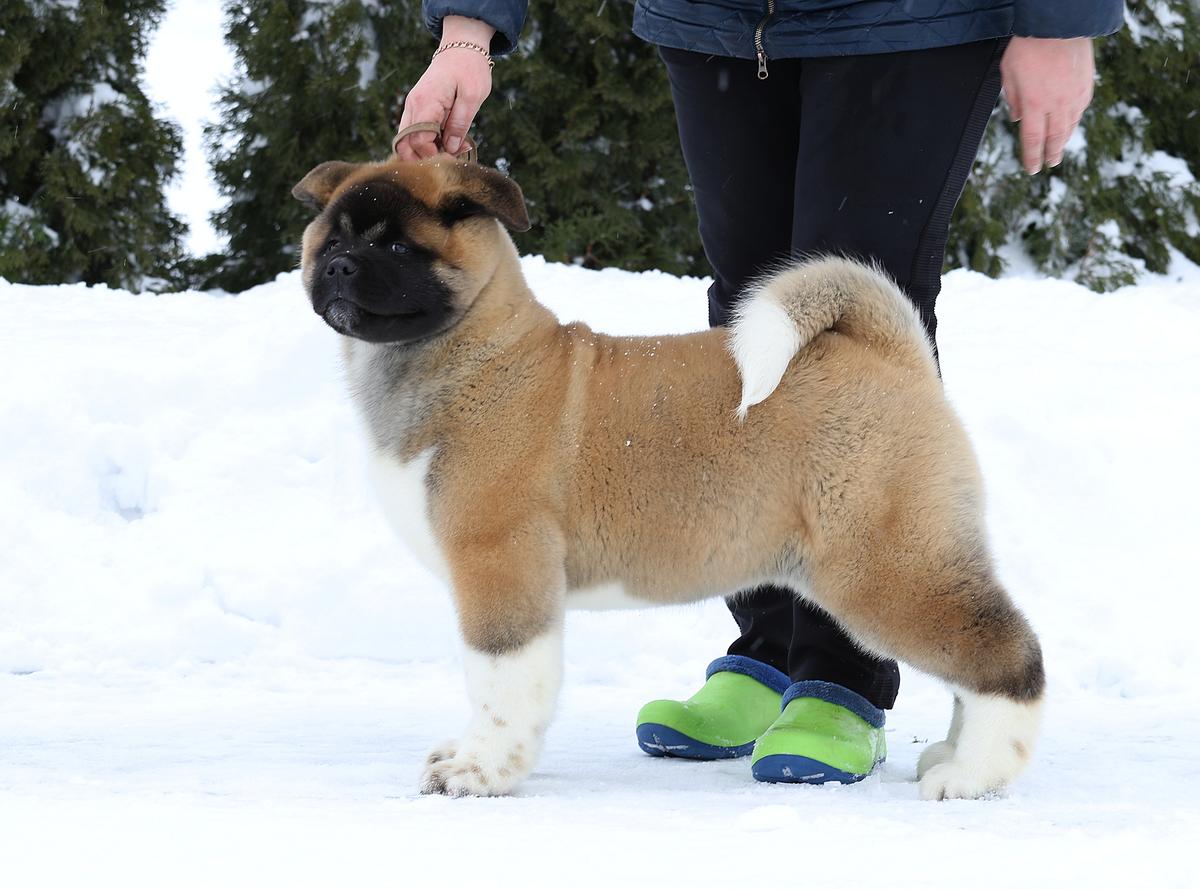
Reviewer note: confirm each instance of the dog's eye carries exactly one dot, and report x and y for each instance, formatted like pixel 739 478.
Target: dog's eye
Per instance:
pixel 399 247
pixel 332 245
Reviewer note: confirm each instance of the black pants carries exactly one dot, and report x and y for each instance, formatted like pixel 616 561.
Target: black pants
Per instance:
pixel 865 156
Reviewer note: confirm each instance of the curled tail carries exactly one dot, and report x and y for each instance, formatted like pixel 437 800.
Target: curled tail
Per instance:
pixel 784 311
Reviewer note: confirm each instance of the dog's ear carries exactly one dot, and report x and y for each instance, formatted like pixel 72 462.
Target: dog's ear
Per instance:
pixel 483 191
pixel 315 189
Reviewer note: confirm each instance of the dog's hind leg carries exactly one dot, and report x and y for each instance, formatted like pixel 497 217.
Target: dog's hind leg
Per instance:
pixel 992 748
pixel 942 751
pixel 941 610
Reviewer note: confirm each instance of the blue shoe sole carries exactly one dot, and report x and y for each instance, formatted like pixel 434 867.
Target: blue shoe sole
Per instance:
pixel 783 769
pixel 659 740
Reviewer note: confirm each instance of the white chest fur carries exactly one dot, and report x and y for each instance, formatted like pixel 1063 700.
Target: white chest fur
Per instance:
pixel 404 497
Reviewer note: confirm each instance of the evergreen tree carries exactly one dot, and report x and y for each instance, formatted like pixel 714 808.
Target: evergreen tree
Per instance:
pixel 580 116
pixel 1125 192
pixel 83 160
pixel 317 80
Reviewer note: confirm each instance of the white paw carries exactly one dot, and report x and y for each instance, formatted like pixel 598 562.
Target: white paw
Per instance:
pixel 993 738
pixel 444 750
pixel 934 755
pixel 512 695
pixel 954 780
pixel 469 772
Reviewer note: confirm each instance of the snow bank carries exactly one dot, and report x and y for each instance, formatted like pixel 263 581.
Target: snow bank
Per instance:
pixel 182 478
pixel 207 632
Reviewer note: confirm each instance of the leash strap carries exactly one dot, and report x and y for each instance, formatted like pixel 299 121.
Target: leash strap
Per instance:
pixel 468 152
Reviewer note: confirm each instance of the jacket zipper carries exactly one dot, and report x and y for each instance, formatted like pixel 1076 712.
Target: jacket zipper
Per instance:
pixel 758 40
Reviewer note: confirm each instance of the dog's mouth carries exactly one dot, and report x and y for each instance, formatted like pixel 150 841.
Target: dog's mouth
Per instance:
pixel 351 319
pixel 341 312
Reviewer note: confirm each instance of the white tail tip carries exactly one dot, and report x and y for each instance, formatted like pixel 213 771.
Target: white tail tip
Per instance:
pixel 763 343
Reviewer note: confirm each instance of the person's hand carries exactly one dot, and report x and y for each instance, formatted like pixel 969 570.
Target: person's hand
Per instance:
pixel 1048 85
pixel 450 91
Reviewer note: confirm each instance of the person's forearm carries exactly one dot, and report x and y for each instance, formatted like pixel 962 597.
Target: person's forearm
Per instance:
pixel 460 28
pixel 467 19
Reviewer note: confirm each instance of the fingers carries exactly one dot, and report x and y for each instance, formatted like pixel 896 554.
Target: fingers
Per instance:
pixel 416 146
pixel 1033 141
pixel 420 106
pixel 472 86
pixel 459 121
pixel 1058 130
pixel 1044 137
pixel 1044 134
pixel 1048 84
pixel 1012 96
pixel 449 93
pixel 1013 100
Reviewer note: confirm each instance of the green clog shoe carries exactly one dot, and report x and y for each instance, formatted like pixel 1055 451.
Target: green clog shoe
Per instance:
pixel 825 733
pixel 739 701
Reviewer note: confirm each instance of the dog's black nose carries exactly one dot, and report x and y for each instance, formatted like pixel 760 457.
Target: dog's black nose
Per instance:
pixel 342 266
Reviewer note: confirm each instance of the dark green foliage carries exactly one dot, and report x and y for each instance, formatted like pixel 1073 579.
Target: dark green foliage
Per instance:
pixel 1154 65
pixel 83 161
pixel 1124 193
pixel 582 118
pixel 309 89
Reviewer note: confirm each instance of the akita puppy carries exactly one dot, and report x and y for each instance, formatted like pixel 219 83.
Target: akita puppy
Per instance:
pixel 536 465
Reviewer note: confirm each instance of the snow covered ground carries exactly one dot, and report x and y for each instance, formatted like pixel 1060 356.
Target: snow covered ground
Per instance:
pixel 218 668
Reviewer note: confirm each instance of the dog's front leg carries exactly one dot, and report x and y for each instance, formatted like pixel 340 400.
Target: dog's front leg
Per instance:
pixel 511 620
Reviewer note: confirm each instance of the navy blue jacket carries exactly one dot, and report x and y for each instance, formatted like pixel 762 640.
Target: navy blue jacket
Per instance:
pixel 800 28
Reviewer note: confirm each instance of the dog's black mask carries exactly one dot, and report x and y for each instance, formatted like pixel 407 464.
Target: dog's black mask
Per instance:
pixel 368 280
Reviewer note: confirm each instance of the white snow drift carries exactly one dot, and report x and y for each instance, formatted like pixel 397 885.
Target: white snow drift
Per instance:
pixel 216 663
